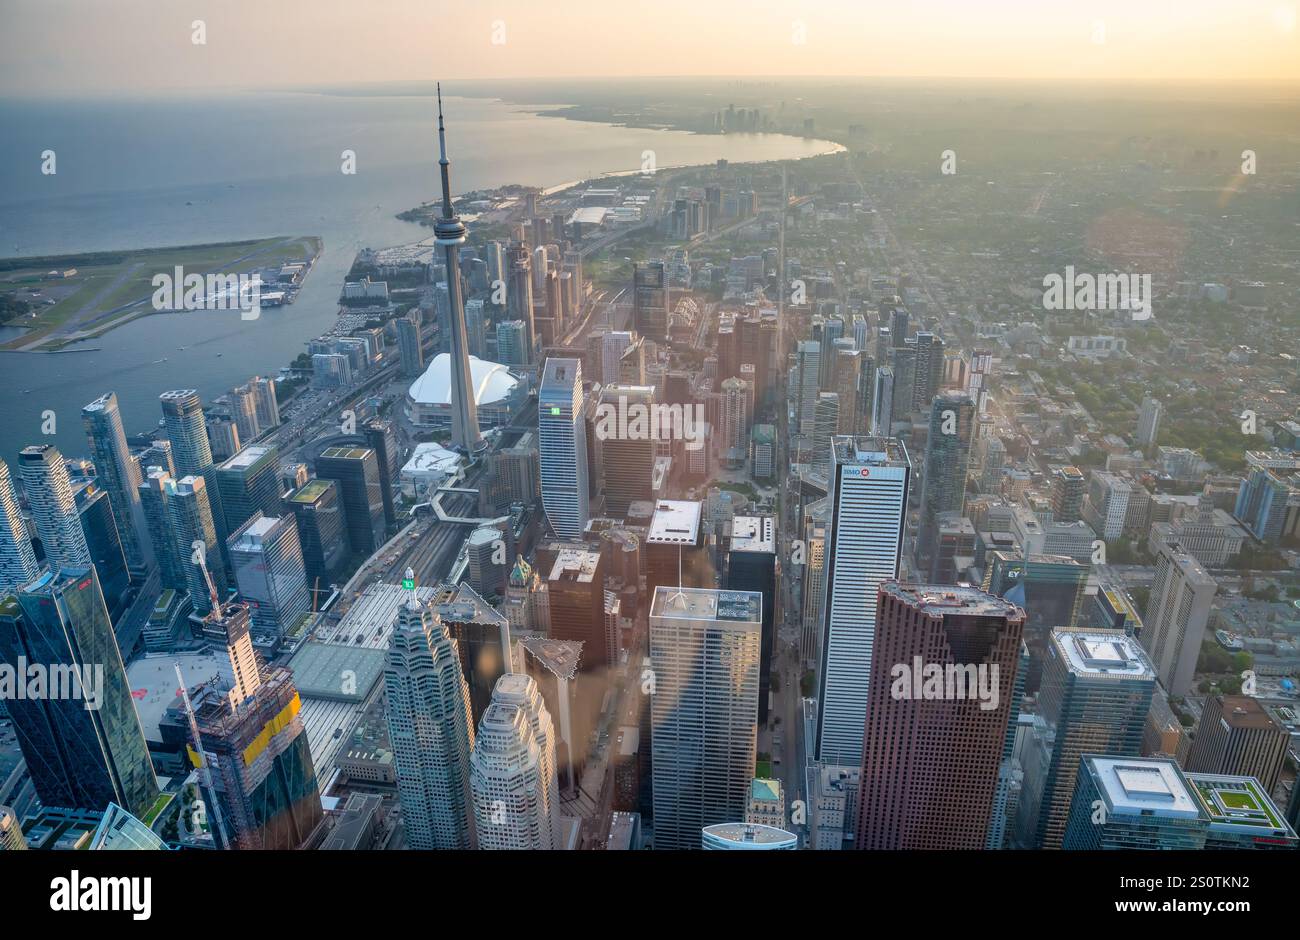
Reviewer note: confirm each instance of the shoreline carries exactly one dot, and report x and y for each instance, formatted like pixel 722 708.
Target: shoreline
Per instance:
pixel 101 323
pixel 70 343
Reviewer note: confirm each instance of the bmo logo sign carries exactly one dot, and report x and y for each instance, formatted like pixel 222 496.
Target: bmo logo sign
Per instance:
pixel 865 471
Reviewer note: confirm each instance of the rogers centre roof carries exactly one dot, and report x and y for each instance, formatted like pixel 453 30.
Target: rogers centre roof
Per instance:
pixel 492 382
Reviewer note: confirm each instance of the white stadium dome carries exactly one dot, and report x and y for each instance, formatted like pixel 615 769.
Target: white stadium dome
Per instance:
pixel 496 392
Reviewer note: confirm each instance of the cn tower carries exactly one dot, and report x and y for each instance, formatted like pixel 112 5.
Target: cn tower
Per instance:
pixel 450 234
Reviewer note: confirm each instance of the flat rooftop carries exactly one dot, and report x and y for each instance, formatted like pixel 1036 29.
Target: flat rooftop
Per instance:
pixel 559 656
pixel 369 622
pixel 707 604
pixel 254 531
pixel 753 534
pixel 335 672
pixel 1239 804
pixel 559 374
pixel 675 522
pixel 311 491
pixel 1102 653
pixel 154 688
pixel 1144 787
pixel 937 600
pixel 750 834
pixel 345 453
pixel 1243 711
pixel 247 457
pixel 466 605
pixel 575 564
pixel 1187 564
pixel 869 451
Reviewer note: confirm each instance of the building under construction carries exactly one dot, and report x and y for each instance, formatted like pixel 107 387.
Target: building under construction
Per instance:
pixel 258 765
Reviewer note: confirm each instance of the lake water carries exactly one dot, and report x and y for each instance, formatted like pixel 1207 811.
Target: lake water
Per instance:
pixel 153 172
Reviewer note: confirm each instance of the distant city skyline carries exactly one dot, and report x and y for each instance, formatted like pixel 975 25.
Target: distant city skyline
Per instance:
pixel 154 45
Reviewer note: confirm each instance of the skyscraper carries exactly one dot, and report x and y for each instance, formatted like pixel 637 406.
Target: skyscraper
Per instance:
pixel 1097 688
pixel 82 741
pixel 408 342
pixel 324 542
pixel 191 450
pixel 947 453
pixel 562 447
pixel 869 484
pixel 17 559
pixel 54 511
pixel 650 299
pixel 266 556
pixel 118 474
pixel 1068 486
pixel 736 395
pixel 927 370
pixel 266 402
pixel 806 383
pixel 118 830
pixel 882 402
pixel 1050 588
pixel 576 603
pixel 1176 616
pixel 254 744
pixel 940 697
pixel 705 650
pixel 355 470
pixel 190 517
pixel 1237 735
pixel 1150 803
pixel 427 705
pixel 751 566
pixel 11 831
pixel 183 421
pixel 1132 803
pixel 450 234
pixel 826 423
pixel 627 453
pixel 95 513
pixel 512 770
pixel 612 346
pixel 1148 429
pixel 249 483
pixel 519 301
pixel 481 636
pixel 512 343
pixel 381 437
pixel 153 502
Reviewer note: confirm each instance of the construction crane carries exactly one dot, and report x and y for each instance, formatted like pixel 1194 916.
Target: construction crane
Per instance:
pixel 202 556
pixel 205 773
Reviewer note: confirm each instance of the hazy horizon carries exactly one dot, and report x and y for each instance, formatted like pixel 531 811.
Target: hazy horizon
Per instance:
pixel 56 48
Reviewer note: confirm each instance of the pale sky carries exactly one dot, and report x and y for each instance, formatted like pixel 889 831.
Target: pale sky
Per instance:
pixel 111 46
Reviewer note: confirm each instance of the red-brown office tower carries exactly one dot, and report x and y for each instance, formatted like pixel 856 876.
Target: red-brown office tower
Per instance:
pixel 943 678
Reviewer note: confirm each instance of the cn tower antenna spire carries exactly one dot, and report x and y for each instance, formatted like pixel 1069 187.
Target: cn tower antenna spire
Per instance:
pixel 449 234
pixel 443 162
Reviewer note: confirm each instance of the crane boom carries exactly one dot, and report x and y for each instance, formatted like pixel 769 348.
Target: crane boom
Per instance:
pixel 205 773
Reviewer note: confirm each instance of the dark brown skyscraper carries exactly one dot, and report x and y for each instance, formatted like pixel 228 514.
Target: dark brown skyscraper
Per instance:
pixel 577 603
pixel 943 674
pixel 1237 736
